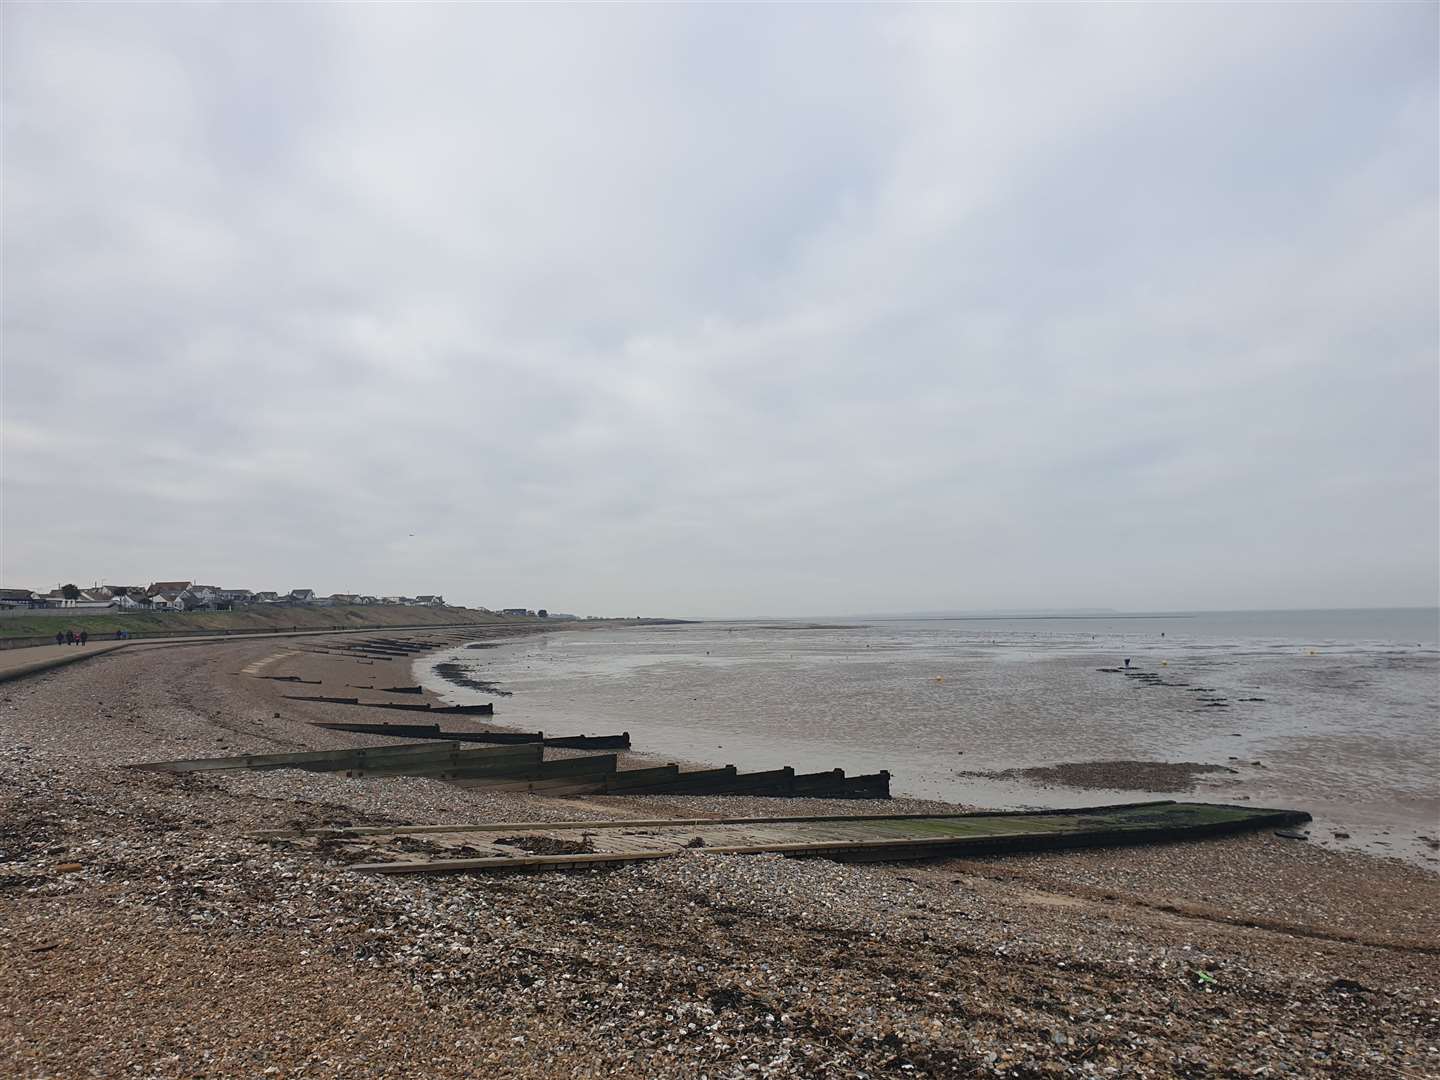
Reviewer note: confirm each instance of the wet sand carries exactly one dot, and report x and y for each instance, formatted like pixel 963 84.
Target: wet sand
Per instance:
pixel 1347 734
pixel 143 933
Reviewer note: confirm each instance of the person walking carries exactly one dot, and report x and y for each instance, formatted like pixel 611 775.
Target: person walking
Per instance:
pixel 59 637
pixel 69 637
pixel 84 637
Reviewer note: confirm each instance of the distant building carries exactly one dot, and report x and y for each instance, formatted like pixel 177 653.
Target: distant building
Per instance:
pixel 237 596
pixel 126 602
pixel 113 591
pixel 303 596
pixel 18 598
pixel 519 611
pixel 169 588
pixel 200 596
pixel 265 598
pixel 432 601
pixel 56 598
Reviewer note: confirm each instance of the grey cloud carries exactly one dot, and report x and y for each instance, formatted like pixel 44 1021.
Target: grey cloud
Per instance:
pixel 702 311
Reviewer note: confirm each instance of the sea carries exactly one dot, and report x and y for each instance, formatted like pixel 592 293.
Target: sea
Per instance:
pixel 1334 712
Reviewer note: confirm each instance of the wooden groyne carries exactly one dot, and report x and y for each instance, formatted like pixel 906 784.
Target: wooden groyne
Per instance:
pixel 433 731
pixel 312 760
pixel 486 709
pixel 546 845
pixel 522 766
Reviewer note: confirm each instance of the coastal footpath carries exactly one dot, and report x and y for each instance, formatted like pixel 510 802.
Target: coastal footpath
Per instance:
pixel 146 931
pixel 27 627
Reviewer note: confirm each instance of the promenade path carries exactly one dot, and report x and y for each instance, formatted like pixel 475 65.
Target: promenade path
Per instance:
pixel 17 663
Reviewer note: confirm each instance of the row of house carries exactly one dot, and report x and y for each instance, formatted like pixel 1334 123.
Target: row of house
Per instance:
pixel 192 596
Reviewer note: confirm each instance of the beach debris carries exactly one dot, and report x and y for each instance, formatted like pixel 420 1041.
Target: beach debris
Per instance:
pixel 549 845
pixel 1349 986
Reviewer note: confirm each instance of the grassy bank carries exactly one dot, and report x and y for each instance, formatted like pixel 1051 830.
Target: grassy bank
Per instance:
pixel 251 619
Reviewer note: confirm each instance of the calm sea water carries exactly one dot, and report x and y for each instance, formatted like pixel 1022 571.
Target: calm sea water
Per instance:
pixel 1348 726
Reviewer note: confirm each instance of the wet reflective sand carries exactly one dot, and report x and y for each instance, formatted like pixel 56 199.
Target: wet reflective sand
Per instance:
pixel 1347 729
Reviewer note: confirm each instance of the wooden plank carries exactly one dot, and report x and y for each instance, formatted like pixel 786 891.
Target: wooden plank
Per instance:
pixel 591 742
pixel 634 823
pixel 632 778
pixel 586 773
pixel 629 847
pixel 581 784
pixel 404 731
pixel 694 782
pixel 517 863
pixel 501 736
pixel 307 759
pixel 459 762
pixel 603 763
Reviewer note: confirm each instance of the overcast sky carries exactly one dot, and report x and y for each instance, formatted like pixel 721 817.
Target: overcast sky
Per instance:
pixel 724 310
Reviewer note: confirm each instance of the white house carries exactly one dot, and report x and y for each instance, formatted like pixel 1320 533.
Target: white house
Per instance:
pixel 125 602
pixel 56 598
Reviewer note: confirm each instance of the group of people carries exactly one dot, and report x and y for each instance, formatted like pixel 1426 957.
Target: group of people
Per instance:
pixel 70 637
